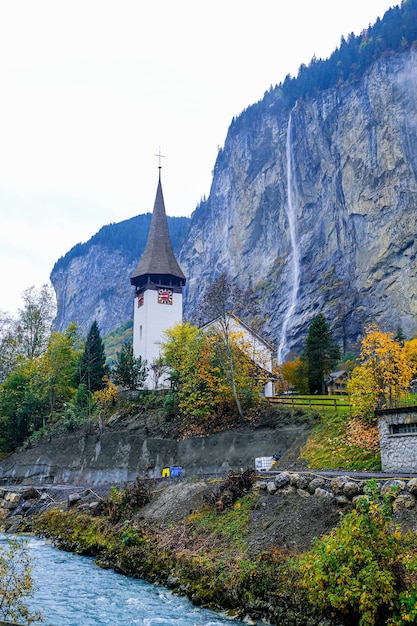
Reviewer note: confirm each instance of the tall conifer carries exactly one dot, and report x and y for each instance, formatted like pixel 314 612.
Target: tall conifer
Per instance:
pixel 321 353
pixel 93 360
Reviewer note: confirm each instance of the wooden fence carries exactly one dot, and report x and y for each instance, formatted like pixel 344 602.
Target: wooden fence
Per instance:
pixel 341 402
pixel 335 402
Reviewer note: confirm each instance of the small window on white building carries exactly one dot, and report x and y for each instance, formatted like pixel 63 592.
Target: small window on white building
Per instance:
pixel 403 429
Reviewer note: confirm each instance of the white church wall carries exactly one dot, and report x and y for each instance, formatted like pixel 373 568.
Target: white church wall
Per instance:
pixel 151 319
pixel 261 352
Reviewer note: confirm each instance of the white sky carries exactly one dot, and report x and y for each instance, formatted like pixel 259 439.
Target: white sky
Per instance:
pixel 91 89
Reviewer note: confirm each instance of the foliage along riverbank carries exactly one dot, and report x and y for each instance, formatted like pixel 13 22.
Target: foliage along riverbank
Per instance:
pixel 361 571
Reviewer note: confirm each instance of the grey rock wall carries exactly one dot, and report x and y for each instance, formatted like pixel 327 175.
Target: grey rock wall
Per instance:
pixel 353 153
pixel 353 196
pixel 94 286
pixel 110 457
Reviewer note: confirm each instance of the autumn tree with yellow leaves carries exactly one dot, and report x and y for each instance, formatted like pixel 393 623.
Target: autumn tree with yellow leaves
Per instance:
pixel 221 302
pixel 294 374
pixel 198 362
pixel 382 376
pixel 410 348
pixel 16 582
pixel 183 351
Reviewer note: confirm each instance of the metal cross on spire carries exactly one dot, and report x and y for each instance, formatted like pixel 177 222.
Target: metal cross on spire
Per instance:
pixel 160 156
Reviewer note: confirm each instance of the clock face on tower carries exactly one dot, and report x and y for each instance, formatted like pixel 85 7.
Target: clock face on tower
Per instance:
pixel 164 296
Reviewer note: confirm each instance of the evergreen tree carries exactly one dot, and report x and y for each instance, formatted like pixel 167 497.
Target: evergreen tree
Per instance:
pixel 399 336
pixel 320 353
pixel 128 370
pixel 93 360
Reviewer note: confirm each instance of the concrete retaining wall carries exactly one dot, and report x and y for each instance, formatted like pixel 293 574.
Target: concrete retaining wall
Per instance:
pixel 114 457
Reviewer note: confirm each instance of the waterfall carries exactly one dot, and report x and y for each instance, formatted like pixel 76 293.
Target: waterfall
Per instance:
pixel 295 250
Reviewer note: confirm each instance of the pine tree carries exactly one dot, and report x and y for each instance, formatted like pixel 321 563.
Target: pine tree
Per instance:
pixel 399 336
pixel 128 370
pixel 321 354
pixel 93 360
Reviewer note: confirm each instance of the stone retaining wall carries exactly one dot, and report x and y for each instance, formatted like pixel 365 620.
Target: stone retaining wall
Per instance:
pixel 342 490
pixel 20 503
pixel 398 439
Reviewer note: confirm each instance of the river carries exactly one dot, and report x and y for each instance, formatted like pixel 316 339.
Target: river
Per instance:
pixel 72 590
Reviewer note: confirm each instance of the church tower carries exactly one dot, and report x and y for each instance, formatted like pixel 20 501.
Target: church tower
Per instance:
pixel 158 281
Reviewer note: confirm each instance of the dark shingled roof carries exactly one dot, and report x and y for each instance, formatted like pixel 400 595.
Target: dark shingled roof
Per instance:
pixel 158 257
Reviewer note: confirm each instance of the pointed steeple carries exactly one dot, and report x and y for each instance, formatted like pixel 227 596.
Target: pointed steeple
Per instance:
pixel 158 264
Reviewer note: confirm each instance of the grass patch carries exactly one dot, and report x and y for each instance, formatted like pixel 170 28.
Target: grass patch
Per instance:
pixel 227 529
pixel 329 447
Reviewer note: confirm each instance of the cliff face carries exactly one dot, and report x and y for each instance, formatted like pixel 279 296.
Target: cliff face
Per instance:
pixel 92 281
pixel 94 286
pixel 316 210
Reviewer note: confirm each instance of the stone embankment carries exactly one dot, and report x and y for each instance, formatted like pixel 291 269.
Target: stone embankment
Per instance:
pixel 341 490
pixel 19 504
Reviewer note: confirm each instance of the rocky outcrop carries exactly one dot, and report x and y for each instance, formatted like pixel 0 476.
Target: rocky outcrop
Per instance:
pixel 18 505
pixel 91 281
pixel 313 208
pixel 93 286
pixel 318 206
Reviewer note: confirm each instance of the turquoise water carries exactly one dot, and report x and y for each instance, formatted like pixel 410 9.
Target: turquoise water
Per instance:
pixel 72 590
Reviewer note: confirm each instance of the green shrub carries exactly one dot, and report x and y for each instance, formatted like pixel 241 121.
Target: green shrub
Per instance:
pixel 363 570
pixel 16 582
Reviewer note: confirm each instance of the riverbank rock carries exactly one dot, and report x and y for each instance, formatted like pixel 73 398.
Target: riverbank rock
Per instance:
pixel 290 509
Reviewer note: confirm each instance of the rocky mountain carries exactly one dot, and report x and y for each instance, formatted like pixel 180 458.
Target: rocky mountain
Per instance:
pixel 315 209
pixel 312 204
pixel 91 281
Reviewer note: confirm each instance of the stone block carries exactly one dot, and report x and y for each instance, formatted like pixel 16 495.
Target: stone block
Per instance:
pixel 73 498
pixel 271 486
pixel 302 482
pixel 316 483
pixel 350 489
pixel 30 494
pixel 289 489
pixel 392 486
pixel 404 501
pixel 342 500
pixel 12 496
pixel 282 480
pixel 338 483
pixel 323 494
pixel 294 478
pixel 9 504
pixel 412 486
